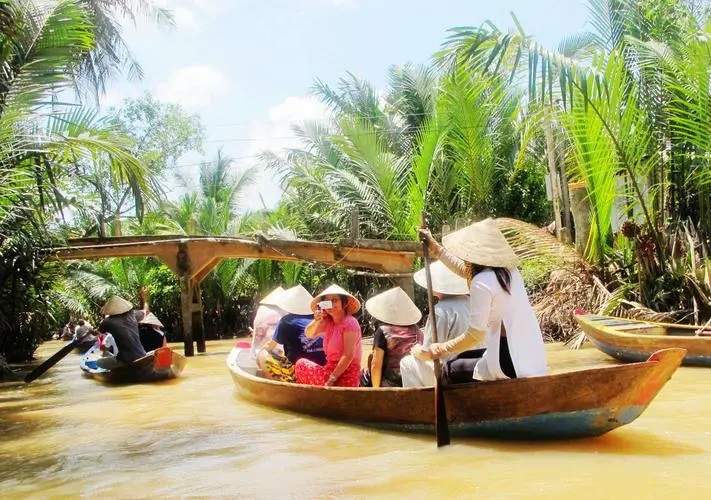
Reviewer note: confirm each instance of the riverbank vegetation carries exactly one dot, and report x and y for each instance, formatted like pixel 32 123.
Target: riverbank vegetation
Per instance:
pixel 616 121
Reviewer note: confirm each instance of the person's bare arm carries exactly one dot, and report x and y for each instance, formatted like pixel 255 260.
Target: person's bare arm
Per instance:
pixel 376 366
pixel 143 295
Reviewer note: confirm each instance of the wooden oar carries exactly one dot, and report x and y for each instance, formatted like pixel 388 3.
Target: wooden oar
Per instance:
pixel 441 427
pixel 49 363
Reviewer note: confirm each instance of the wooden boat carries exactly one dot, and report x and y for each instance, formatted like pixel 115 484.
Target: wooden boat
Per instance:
pixel 581 403
pixel 161 364
pixel 635 340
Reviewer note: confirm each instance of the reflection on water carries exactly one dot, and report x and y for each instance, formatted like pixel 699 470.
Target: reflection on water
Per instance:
pixel 64 435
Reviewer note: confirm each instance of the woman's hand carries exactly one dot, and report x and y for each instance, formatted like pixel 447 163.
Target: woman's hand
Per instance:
pixel 432 244
pixel 419 352
pixel 331 380
pixel 437 350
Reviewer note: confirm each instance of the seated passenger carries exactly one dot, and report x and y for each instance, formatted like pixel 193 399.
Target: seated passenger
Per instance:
pixel 150 329
pixel 122 323
pixel 290 335
pixel 333 319
pixel 265 321
pixel 452 313
pixel 394 337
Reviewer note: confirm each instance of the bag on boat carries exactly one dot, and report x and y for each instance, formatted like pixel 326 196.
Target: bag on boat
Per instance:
pixel 280 368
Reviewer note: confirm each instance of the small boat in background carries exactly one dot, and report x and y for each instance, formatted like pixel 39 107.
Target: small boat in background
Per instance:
pixel 580 403
pixel 161 364
pixel 635 340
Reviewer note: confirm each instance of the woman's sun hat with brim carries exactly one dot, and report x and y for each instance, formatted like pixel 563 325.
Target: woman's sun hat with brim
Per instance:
pixel 444 280
pixel 116 305
pixel 271 298
pixel 353 303
pixel 393 307
pixel 152 320
pixel 481 243
pixel 295 300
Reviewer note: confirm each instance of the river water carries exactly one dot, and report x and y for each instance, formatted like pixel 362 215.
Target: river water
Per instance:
pixel 64 435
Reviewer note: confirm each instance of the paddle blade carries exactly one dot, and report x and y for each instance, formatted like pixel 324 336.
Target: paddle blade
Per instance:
pixel 50 362
pixel 441 427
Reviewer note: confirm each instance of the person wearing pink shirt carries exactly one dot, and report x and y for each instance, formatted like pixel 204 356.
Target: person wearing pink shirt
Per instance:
pixel 333 318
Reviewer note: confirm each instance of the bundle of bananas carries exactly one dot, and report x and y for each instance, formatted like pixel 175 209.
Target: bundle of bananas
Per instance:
pixel 280 368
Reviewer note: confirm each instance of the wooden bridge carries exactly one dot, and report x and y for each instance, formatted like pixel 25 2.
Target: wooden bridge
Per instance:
pixel 192 258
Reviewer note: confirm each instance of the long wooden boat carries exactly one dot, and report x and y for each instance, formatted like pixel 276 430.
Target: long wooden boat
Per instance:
pixel 581 403
pixel 635 340
pixel 161 364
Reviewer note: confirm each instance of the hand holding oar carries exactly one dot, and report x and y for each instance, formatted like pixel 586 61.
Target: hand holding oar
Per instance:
pixel 441 427
pixel 54 359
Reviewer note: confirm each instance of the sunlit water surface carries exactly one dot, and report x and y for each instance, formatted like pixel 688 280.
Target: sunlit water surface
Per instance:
pixel 65 435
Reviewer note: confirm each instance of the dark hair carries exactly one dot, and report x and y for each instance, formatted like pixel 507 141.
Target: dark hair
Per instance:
pixel 503 275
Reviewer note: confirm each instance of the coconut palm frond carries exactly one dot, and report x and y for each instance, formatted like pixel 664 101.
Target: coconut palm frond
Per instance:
pixel 531 242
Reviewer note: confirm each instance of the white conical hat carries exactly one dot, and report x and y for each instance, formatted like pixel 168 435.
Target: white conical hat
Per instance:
pixel 116 305
pixel 353 303
pixel 151 319
pixel 444 280
pixel 481 243
pixel 295 300
pixel 271 298
pixel 393 307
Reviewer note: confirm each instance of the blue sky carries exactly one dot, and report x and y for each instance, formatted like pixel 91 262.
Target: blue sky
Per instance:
pixel 247 66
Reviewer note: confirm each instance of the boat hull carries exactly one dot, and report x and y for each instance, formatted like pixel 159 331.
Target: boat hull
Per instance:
pixel 568 405
pixel 161 364
pixel 634 340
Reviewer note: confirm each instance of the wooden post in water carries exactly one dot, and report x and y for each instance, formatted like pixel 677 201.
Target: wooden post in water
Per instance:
pixel 186 298
pixel 197 317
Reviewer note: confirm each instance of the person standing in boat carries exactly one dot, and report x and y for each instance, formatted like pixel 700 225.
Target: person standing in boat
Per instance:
pixel 395 336
pixel 265 321
pixel 500 313
pixel 452 317
pixel 333 319
pixel 290 335
pixel 121 322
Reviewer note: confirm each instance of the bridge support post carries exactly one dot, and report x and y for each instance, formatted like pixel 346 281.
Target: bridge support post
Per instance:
pixel 186 315
pixel 197 317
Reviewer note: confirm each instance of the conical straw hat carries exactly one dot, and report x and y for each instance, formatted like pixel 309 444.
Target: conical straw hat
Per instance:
pixel 116 305
pixel 271 298
pixel 353 303
pixel 444 280
pixel 481 243
pixel 295 300
pixel 393 307
pixel 151 319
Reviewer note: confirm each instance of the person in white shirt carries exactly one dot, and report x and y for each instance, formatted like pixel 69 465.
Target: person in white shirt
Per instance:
pixel 265 321
pixel 500 313
pixel 452 319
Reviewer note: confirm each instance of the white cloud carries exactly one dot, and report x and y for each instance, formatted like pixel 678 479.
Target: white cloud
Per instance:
pixel 185 19
pixel 193 87
pixel 274 133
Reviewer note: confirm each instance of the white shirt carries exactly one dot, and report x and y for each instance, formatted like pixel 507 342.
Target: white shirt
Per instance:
pixel 265 322
pixel 452 313
pixel 490 306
